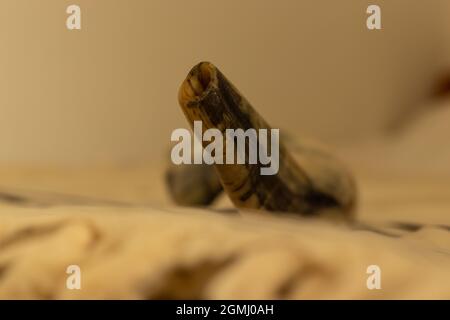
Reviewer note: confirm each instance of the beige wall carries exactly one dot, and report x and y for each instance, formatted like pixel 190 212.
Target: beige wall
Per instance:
pixel 108 93
pixel 446 28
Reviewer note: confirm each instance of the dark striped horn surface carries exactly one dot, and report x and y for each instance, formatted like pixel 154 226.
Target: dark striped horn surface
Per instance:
pixel 312 183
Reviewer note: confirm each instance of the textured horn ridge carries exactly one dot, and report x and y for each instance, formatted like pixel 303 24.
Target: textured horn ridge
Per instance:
pixel 317 182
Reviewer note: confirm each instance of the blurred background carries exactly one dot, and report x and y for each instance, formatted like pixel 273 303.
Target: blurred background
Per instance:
pixel 108 93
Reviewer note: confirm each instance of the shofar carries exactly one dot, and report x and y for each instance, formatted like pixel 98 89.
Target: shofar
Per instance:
pixel 317 183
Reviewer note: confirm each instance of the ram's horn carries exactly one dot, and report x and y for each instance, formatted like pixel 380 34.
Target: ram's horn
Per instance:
pixel 317 183
pixel 193 185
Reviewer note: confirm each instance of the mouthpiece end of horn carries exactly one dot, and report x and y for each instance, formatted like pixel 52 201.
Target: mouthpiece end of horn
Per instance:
pixel 197 82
